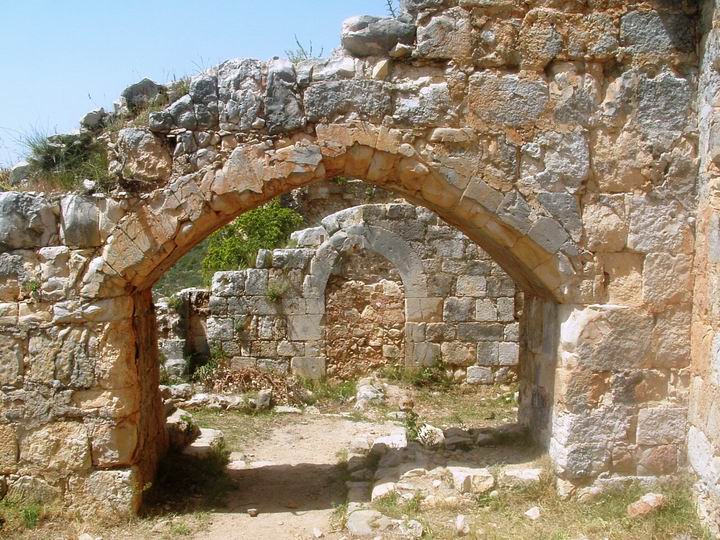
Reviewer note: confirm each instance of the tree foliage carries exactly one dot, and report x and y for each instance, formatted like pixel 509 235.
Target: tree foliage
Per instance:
pixel 236 245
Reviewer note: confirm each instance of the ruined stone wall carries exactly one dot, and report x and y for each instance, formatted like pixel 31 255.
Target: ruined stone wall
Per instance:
pixel 364 316
pixel 316 201
pixel 559 136
pixel 703 442
pixel 182 332
pixel 459 306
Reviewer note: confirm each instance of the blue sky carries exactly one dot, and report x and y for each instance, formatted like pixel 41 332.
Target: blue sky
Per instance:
pixel 62 58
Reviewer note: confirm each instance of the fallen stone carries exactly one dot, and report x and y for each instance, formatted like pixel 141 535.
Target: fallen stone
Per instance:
pixel 181 430
pixel 286 409
pixel 645 505
pixel 533 514
pixel 471 480
pixel 411 529
pixel 462 528
pixel 263 402
pixel 430 436
pixel 208 442
pixel 253 512
pixel 514 475
pixel 362 522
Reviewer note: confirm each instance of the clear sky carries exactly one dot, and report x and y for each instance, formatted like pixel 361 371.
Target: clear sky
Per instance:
pixel 62 58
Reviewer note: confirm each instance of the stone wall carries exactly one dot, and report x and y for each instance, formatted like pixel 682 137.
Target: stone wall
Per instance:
pixel 316 201
pixel 182 332
pixel 703 439
pixel 459 306
pixel 364 316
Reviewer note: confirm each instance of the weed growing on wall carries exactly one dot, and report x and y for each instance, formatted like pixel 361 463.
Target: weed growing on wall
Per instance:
pixel 62 162
pixel 236 245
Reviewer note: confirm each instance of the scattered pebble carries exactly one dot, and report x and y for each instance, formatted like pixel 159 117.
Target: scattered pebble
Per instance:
pixel 462 528
pixel 253 512
pixel 317 533
pixel 533 514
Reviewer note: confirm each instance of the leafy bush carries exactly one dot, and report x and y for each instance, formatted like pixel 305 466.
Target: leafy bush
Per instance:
pixel 236 245
pixel 64 161
pixel 5 179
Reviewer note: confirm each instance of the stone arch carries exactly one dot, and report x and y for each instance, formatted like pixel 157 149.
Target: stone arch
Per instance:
pixel 386 243
pixel 170 221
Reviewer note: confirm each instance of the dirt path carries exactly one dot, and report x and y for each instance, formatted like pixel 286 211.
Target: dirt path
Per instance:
pixel 292 478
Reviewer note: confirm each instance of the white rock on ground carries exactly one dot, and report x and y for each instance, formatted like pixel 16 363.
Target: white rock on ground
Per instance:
pixel 208 441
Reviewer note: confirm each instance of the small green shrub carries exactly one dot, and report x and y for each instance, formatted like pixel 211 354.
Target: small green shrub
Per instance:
pixel 19 514
pixel 412 425
pixel 31 287
pixel 175 303
pixel 326 390
pixel 433 375
pixel 277 289
pixel 236 245
pixel 205 373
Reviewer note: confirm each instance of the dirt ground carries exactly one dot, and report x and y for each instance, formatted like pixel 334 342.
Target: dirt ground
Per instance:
pixel 294 479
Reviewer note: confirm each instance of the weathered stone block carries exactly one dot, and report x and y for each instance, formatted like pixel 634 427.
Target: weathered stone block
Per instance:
pixel 509 100
pixel 309 368
pixel 458 309
pixel 661 425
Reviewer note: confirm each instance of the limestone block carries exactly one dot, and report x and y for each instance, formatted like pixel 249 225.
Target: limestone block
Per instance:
pixel 672 338
pixel 658 460
pixel 305 327
pixel 486 310
pixel 423 309
pixel 654 33
pixel 112 445
pixel 445 36
pixel 606 338
pixel 61 446
pixel 329 99
pixel 458 309
pixel 80 221
pixel 508 354
pixel 658 226
pixel 506 309
pixel 283 108
pixel 112 493
pixel 256 281
pixel 27 220
pixel 667 279
pixel 375 36
pixel 479 331
pixel 487 353
pixel 144 155
pixel 422 354
pixel 661 425
pixel 8 449
pixel 29 488
pixel 228 284
pixel 479 375
pixel 625 277
pixel 471 286
pixel 512 332
pixel 308 367
pixel 430 105
pixel 459 354
pixel 505 99
pixel 11 361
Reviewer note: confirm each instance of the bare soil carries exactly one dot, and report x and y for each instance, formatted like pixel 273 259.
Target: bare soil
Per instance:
pixel 294 478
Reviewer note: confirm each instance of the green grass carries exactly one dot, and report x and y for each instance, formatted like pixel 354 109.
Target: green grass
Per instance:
pixel 241 429
pixel 17 515
pixel 329 392
pixel 62 162
pixel 502 517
